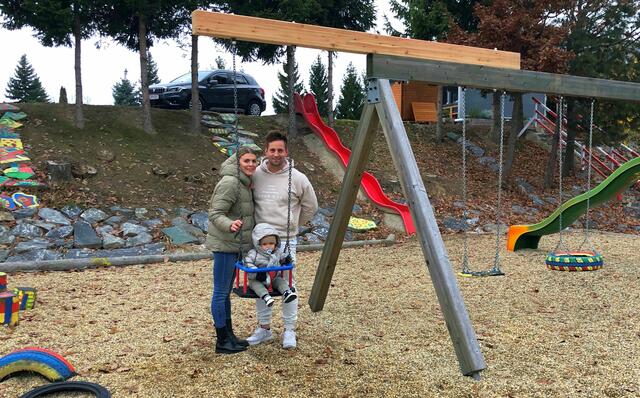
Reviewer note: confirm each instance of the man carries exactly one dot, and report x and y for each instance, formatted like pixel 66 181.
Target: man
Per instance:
pixel 270 193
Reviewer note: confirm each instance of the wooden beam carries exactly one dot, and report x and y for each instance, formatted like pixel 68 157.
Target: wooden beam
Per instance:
pixel 510 80
pixel 269 31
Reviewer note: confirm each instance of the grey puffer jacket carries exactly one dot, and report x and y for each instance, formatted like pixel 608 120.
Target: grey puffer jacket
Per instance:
pixel 232 199
pixel 259 258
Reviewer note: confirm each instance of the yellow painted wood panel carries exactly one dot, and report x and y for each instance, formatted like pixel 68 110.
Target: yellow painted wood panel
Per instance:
pixel 261 30
pixel 424 111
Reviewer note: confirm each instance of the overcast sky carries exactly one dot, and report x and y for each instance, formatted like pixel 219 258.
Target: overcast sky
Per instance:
pixel 103 67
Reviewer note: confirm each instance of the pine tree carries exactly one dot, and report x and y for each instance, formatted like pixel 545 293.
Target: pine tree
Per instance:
pixel 280 99
pixel 152 70
pixel 351 96
pixel 318 85
pixel 25 86
pixel 125 93
pixel 63 96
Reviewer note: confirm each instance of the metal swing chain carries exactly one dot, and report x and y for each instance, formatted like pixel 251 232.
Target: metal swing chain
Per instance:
pixel 586 229
pixel 496 260
pixel 292 122
pixel 559 120
pixel 462 111
pixel 237 140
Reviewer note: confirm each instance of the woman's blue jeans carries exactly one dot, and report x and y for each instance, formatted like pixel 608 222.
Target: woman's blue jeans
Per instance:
pixel 223 273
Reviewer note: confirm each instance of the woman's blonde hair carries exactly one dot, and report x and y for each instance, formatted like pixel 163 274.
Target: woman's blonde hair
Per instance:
pixel 244 150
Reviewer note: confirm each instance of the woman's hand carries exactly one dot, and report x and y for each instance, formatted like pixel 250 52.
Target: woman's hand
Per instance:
pixel 236 225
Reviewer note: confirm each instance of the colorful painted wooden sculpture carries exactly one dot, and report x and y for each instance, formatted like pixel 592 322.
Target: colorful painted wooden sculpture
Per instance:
pixel 27 297
pixel 9 308
pixel 3 282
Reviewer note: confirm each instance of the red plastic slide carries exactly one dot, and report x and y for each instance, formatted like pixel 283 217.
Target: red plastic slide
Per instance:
pixel 307 107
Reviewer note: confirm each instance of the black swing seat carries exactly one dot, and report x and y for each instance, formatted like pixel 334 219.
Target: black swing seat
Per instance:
pixel 242 292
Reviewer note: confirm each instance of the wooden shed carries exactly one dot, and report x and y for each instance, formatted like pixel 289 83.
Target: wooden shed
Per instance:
pixel 416 100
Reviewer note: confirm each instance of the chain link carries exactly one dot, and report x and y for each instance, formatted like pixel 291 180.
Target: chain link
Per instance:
pixel 292 129
pixel 496 259
pixel 462 111
pixel 237 139
pixel 587 219
pixel 559 121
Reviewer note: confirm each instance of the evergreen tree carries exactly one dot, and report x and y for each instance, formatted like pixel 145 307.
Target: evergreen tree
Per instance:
pixel 220 64
pixel 280 100
pixel 152 71
pixel 125 93
pixel 63 96
pixel 25 86
pixel 318 85
pixel 352 96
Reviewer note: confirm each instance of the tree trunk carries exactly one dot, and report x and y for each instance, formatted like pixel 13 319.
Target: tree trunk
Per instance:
pixel 439 126
pixel 195 109
pixel 551 162
pixel 144 76
pixel 79 116
pixel 572 127
pixel 59 171
pixel 330 88
pixel 517 116
pixel 496 114
pixel 292 108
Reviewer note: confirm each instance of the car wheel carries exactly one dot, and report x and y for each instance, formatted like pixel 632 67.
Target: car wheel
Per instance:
pixel 200 107
pixel 254 109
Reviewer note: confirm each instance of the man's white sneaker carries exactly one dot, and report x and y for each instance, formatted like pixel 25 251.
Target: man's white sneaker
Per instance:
pixel 289 339
pixel 261 335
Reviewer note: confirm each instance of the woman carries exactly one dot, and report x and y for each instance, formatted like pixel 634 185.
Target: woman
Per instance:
pixel 230 225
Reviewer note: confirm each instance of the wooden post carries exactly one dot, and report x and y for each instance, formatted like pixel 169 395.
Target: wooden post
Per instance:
pixel 59 171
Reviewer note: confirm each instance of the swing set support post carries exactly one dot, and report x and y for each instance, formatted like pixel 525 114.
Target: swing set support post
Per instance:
pixel 381 106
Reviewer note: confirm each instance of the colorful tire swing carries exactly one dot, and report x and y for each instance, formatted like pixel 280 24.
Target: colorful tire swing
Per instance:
pixel 243 290
pixel 466 270
pixel 580 260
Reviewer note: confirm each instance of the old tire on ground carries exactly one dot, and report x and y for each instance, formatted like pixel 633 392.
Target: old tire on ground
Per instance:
pixel 69 386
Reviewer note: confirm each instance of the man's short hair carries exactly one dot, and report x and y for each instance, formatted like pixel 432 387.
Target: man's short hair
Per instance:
pixel 275 136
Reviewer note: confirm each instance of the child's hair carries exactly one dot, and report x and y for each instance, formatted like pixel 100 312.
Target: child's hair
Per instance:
pixel 274 240
pixel 275 136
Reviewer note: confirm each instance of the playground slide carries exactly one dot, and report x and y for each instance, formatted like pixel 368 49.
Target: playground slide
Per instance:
pixel 307 107
pixel 528 236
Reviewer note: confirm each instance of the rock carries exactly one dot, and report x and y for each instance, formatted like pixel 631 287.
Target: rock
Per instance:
pixel 312 239
pixel 321 232
pixel 93 216
pixel 319 221
pixel 122 211
pixel 130 229
pixel 179 221
pixel 84 236
pixel 71 211
pixel 475 150
pixel 24 213
pixel 356 209
pixel 327 212
pixel 492 227
pixel 536 200
pixel 45 225
pixel 348 236
pixel 179 236
pixel 518 209
pixel 3 255
pixel 36 255
pixel 200 220
pixel 193 230
pixel 3 229
pixel 303 229
pixel 114 220
pixel 454 224
pixel 62 243
pixel 26 230
pixel 524 186
pixel 35 244
pixel 452 136
pixel 106 155
pixel 111 242
pixel 458 204
pixel 60 232
pixel 153 223
pixel 472 221
pixel 104 229
pixel 141 213
pixel 182 212
pixel 161 212
pixel 6 216
pixel 83 170
pixel 140 239
pixel 7 238
pixel 161 172
pixel 53 216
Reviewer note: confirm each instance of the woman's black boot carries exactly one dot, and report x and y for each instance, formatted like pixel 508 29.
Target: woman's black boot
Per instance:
pixel 224 345
pixel 232 336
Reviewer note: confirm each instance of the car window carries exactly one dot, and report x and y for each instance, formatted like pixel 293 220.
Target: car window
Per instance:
pixel 222 78
pixel 186 78
pixel 240 79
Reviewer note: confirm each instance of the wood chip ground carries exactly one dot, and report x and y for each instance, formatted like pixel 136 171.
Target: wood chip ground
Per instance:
pixel 146 331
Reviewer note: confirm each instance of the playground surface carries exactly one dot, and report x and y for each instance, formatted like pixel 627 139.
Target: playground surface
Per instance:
pixel 146 330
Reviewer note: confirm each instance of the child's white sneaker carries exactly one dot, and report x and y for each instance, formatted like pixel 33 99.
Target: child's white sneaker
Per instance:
pixel 288 296
pixel 268 300
pixel 261 335
pixel 288 339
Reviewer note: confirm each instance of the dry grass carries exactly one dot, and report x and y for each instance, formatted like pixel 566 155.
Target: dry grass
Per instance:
pixel 145 331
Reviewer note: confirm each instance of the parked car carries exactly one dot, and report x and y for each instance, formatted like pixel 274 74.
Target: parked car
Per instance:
pixel 216 92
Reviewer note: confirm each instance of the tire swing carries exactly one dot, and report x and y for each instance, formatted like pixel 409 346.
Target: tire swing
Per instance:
pixel 466 270
pixel 243 290
pixel 580 260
